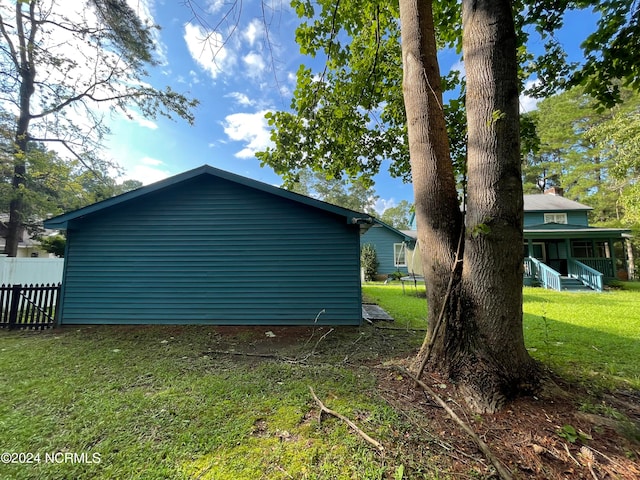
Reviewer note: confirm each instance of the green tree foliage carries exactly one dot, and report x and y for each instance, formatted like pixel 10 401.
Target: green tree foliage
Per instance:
pixel 369 261
pixel 592 153
pixel 399 216
pixel 354 194
pixel 54 244
pixel 62 64
pixel 349 117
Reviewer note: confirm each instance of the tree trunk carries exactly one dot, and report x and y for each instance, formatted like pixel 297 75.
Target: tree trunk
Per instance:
pixel 500 366
pixel 25 66
pixel 475 332
pixel 436 200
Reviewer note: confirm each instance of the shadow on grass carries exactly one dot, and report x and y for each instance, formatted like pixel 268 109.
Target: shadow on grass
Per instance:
pixel 583 353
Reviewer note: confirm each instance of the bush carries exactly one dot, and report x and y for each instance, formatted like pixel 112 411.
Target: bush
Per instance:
pixel 369 261
pixel 54 244
pixel 397 275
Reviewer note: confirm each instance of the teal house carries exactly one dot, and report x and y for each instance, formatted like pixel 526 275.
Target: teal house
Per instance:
pixel 561 250
pixel 210 247
pixel 394 248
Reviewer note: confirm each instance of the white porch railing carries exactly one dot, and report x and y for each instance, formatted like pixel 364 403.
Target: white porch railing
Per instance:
pixel 585 274
pixel 546 275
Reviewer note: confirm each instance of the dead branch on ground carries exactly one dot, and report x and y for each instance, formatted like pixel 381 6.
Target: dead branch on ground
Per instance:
pixel 354 427
pixel 484 448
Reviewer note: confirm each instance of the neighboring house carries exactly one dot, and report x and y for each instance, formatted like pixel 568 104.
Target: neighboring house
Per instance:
pixel 561 250
pixel 211 247
pixel 395 249
pixel 28 247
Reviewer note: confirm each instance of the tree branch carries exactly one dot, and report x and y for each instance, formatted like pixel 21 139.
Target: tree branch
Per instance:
pixel 354 427
pixel 12 48
pixel 484 448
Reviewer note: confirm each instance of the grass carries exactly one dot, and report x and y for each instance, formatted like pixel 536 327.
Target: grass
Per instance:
pixel 408 305
pixel 590 337
pixel 155 402
pixel 164 402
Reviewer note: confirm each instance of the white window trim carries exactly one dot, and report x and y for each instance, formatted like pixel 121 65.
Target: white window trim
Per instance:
pixel 403 249
pixel 554 217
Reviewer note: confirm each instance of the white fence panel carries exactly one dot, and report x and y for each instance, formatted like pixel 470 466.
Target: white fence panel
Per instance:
pixel 28 271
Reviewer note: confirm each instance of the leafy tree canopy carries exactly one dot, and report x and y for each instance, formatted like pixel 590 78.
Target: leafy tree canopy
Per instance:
pixel 592 153
pixel 399 216
pixel 355 195
pixel 350 117
pixel 64 66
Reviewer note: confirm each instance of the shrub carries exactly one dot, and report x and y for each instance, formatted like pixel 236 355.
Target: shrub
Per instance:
pixel 369 261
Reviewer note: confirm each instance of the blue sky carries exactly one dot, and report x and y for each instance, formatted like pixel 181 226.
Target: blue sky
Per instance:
pixel 248 76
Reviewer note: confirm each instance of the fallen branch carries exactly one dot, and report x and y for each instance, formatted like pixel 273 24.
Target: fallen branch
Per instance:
pixel 246 354
pixel 484 448
pixel 324 409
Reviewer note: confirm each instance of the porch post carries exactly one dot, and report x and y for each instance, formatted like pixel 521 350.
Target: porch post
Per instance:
pixel 613 258
pixel 631 268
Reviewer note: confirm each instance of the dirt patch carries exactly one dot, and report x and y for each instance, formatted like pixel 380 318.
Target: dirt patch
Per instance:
pixel 532 436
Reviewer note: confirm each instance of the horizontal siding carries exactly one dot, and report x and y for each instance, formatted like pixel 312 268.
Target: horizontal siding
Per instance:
pixel 383 239
pixel 573 218
pixel 212 251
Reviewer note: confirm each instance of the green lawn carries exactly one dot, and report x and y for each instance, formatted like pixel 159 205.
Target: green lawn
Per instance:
pixel 590 337
pixel 164 402
pixel 176 402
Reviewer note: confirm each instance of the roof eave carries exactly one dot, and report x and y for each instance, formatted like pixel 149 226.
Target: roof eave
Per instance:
pixel 62 221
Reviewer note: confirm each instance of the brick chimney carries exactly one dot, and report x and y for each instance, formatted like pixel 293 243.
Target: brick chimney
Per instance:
pixel 557 191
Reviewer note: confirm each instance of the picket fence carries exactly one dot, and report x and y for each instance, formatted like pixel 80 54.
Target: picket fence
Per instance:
pixel 28 306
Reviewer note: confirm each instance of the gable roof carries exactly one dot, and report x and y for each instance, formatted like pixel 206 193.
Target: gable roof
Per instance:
pixel 404 234
pixel 351 216
pixel 548 203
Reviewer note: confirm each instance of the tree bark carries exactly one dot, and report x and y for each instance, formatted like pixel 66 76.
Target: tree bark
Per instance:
pixel 500 366
pixel 25 66
pixel 475 332
pixel 437 208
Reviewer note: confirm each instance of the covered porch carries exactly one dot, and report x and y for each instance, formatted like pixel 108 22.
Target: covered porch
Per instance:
pixel 566 257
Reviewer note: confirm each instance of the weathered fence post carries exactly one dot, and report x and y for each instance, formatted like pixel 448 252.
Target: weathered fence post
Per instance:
pixel 15 305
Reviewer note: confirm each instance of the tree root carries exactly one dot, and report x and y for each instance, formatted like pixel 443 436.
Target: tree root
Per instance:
pixel 354 427
pixel 484 448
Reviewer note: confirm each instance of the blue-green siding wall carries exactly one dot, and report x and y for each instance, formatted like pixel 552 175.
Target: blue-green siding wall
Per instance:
pixel 383 239
pixel 212 251
pixel 573 218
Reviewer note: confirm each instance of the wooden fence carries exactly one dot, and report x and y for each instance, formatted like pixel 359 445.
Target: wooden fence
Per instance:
pixel 28 306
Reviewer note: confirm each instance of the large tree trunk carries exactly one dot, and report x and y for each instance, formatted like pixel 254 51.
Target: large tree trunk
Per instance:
pixel 475 332
pixel 500 366
pixel 436 200
pixel 25 67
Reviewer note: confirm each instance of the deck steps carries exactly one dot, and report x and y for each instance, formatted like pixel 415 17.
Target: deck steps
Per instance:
pixel 571 284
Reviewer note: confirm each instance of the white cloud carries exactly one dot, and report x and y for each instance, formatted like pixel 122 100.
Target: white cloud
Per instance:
pixel 250 128
pixel 253 32
pixel 151 161
pixel 147 173
pixel 207 49
pixel 241 99
pixel 136 117
pixel 255 64
pixel 382 204
pixel 214 6
pixel 528 103
pixel 459 66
